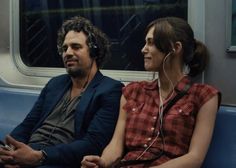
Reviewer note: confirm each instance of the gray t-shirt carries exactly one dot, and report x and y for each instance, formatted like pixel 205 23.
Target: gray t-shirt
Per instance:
pixel 59 125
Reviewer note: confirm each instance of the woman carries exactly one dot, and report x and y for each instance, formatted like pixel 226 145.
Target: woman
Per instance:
pixel 174 138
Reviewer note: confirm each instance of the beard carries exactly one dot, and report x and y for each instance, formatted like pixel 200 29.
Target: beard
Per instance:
pixel 76 72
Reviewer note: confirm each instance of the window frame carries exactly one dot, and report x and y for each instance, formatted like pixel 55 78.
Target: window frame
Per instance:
pixel 229 48
pixel 194 16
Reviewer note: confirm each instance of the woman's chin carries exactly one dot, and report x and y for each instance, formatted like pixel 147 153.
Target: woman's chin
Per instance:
pixel 148 68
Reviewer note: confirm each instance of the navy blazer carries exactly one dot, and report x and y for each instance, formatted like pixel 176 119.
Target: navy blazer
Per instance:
pixel 95 118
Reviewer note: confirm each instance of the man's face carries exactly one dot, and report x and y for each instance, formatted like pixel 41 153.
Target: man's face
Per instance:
pixel 76 55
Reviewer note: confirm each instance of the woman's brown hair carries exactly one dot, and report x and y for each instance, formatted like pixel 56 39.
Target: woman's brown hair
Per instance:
pixel 170 30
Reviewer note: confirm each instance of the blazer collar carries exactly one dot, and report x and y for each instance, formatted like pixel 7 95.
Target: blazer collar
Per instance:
pixel 86 99
pixel 96 80
pixel 65 84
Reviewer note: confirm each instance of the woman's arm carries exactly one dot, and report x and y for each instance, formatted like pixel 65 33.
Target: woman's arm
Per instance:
pixel 114 149
pixel 200 140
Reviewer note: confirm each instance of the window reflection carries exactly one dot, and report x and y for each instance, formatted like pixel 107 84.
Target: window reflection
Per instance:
pixel 233 34
pixel 123 21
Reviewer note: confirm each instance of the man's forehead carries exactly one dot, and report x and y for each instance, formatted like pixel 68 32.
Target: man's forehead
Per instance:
pixel 75 37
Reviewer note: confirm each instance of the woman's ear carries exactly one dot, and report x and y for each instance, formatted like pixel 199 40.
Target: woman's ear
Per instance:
pixel 177 47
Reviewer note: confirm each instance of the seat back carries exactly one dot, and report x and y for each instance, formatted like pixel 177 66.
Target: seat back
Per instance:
pixel 222 151
pixel 14 106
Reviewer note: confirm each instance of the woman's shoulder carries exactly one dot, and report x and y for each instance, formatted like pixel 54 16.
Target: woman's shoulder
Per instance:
pixel 138 87
pixel 204 88
pixel 141 84
pixel 204 92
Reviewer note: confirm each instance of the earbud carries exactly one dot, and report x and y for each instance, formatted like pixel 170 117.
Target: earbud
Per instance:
pixel 173 50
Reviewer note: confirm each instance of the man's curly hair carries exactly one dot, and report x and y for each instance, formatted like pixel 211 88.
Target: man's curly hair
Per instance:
pixel 95 37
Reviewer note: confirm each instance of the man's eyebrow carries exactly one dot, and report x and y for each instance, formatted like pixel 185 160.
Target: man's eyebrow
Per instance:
pixel 64 45
pixel 71 44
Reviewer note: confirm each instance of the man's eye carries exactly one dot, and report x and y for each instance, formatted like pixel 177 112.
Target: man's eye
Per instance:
pixel 64 48
pixel 75 47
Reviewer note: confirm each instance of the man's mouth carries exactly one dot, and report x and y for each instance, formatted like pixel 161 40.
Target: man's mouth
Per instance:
pixel 71 62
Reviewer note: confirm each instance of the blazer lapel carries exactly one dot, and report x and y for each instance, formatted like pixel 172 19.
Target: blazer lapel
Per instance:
pixel 57 95
pixel 86 99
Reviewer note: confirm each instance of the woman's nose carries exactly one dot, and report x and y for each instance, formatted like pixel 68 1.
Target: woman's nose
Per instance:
pixel 144 49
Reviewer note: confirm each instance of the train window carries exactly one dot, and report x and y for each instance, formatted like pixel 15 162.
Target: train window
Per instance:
pixel 231 25
pixel 233 37
pixel 123 21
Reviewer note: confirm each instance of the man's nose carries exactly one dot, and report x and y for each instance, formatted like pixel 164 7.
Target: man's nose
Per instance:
pixel 69 51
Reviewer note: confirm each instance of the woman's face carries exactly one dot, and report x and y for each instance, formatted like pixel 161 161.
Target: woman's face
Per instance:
pixel 153 58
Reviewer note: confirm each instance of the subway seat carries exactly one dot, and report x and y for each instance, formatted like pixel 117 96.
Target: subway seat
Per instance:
pixel 222 151
pixel 15 105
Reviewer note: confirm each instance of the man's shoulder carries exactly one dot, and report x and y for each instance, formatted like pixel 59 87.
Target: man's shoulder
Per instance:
pixel 107 78
pixel 58 81
pixel 60 78
pixel 110 82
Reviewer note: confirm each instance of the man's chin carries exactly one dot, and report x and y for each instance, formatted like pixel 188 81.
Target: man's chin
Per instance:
pixel 75 72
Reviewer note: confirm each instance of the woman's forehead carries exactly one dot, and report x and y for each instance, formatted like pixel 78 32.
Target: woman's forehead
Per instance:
pixel 150 33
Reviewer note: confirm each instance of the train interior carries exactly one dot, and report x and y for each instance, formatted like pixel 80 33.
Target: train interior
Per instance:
pixel 20 84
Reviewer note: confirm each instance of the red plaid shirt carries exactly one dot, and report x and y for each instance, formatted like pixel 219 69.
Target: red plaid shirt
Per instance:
pixel 142 109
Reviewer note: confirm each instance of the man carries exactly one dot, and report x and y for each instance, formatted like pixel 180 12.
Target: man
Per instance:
pixel 76 113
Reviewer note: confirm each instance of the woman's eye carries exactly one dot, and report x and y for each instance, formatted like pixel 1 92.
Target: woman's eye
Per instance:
pixel 150 42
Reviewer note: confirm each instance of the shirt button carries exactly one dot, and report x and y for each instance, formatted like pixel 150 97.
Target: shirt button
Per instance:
pixel 152 128
pixel 133 109
pixel 155 118
pixel 145 145
pixel 180 110
pixel 149 139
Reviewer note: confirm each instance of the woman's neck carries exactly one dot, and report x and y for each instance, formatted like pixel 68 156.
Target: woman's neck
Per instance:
pixel 168 81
